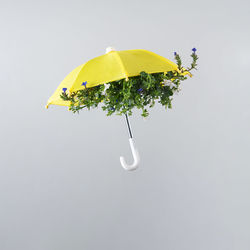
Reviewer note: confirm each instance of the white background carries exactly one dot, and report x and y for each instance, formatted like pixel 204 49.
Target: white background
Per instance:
pixel 61 183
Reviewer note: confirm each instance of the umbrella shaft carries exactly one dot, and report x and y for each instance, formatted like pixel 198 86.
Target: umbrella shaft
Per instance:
pixel 129 129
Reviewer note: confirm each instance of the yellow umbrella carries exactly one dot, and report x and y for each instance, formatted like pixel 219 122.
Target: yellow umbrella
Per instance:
pixel 112 66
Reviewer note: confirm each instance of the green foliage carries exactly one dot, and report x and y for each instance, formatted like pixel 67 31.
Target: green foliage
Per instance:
pixel 140 92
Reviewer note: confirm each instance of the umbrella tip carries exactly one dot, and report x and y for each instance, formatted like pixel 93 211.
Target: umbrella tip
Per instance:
pixel 109 49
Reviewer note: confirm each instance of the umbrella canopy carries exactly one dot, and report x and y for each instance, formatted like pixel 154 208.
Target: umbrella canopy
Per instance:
pixel 113 66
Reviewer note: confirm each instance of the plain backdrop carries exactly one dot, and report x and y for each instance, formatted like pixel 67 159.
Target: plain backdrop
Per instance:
pixel 61 184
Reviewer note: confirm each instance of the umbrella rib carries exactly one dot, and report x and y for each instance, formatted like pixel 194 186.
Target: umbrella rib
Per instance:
pixel 122 65
pixel 76 78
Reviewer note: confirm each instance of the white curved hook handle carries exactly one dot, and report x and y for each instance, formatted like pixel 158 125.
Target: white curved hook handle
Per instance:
pixel 135 156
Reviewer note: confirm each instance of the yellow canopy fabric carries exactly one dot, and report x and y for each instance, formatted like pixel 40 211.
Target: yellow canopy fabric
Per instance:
pixel 112 66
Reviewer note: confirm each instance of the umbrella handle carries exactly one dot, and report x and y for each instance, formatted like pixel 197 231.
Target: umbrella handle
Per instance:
pixel 135 156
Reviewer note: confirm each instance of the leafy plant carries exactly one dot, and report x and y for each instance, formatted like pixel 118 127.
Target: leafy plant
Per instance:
pixel 140 92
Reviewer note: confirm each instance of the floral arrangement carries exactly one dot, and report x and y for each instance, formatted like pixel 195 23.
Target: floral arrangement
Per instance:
pixel 141 92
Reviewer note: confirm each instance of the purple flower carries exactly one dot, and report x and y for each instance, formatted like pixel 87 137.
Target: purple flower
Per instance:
pixel 84 84
pixel 140 90
pixel 113 109
pixel 175 53
pixel 64 90
pixel 194 50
